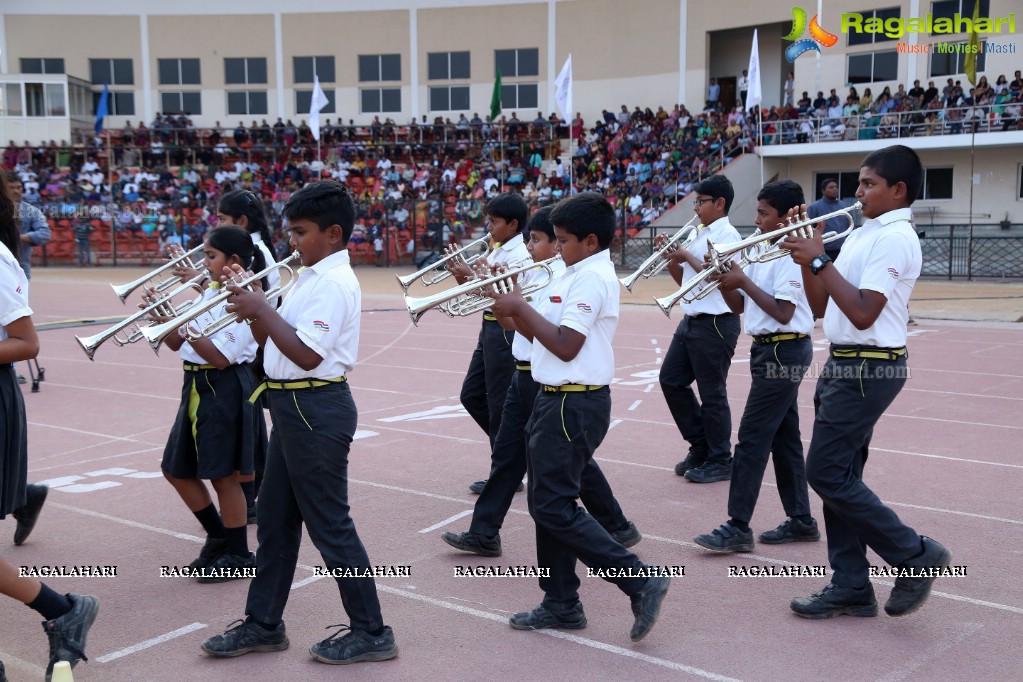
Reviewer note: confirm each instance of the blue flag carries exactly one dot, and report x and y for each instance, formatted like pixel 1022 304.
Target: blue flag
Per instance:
pixel 102 109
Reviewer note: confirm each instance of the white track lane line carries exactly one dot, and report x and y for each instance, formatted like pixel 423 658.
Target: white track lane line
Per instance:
pixel 450 519
pixel 141 646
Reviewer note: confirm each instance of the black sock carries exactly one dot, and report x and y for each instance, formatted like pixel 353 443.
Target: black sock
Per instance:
pixel 210 520
pixel 805 519
pixel 376 633
pixel 237 541
pixel 741 525
pixel 249 488
pixel 266 626
pixel 50 604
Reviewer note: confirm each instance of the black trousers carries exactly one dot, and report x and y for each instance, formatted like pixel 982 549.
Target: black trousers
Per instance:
pixel 770 428
pixel 701 350
pixel 563 432
pixel 508 465
pixel 306 480
pixel 486 382
pixel 851 396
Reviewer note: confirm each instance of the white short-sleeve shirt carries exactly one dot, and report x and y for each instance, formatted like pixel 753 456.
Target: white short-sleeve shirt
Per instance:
pixel 235 341
pixel 782 279
pixel 719 232
pixel 13 291
pixel 585 298
pixel 883 256
pixel 324 307
pixel 522 348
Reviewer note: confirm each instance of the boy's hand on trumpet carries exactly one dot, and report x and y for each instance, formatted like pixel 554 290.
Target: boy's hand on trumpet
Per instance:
pixel 507 295
pixel 158 314
pixel 248 303
pixel 803 250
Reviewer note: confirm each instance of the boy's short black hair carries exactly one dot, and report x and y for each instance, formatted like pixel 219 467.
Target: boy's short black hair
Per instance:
pixel 325 203
pixel 782 195
pixel 508 207
pixel 584 214
pixel 717 187
pixel 541 222
pixel 827 181
pixel 898 163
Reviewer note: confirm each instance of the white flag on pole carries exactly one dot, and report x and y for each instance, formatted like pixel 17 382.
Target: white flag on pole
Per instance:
pixel 754 95
pixel 319 100
pixel 563 91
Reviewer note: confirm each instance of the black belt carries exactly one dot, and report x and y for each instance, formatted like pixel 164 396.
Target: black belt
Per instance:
pixel 192 367
pixel 294 385
pixel 775 338
pixel 869 352
pixel 570 388
pixel 699 315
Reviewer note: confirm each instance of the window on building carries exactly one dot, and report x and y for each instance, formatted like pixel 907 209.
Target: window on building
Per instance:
pixel 937 184
pixel 246 103
pixel 178 71
pixel 864 38
pixel 189 103
pixel 519 95
pixel 454 98
pixel 871 67
pixel 304 101
pixel 307 67
pixel 244 70
pixel 111 72
pixel 443 66
pixel 947 9
pixel 379 67
pixel 953 63
pixel 42 65
pixel 119 103
pixel 514 63
pixel 848 181
pixel 380 100
pixel 12 102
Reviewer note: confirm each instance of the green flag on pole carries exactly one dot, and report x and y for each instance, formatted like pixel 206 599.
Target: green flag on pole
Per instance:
pixel 495 99
pixel 970 63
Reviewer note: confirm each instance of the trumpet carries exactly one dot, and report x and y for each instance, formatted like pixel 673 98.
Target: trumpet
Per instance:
pixel 164 306
pixel 178 257
pixel 653 265
pixel 407 280
pixel 465 299
pixel 155 334
pixel 761 247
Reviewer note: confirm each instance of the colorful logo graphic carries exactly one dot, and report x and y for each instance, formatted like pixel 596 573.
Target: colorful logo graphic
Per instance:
pixel 818 36
pixel 321 325
pixel 584 307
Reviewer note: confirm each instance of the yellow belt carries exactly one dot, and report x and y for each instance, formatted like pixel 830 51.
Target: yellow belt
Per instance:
pixel 571 388
pixel 523 367
pixel 870 352
pixel 295 385
pixel 489 316
pixel 775 338
pixel 189 367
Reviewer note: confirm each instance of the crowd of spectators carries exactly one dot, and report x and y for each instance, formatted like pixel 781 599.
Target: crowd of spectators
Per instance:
pixel 420 185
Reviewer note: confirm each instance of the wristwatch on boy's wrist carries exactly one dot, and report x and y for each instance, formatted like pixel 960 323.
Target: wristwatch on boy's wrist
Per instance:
pixel 818 263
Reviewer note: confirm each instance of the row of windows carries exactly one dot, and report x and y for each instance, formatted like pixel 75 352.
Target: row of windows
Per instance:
pixel 873 67
pixel 373 68
pixel 943 9
pixel 937 183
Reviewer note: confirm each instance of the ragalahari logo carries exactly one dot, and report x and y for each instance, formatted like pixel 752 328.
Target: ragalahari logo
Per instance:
pixel 818 36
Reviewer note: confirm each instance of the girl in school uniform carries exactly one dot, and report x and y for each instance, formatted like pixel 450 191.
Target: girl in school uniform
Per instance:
pixel 68 616
pixel 218 434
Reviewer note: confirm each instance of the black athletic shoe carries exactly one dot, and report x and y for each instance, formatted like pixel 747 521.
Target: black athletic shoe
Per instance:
pixel 473 543
pixel 477 487
pixel 228 566
pixel 628 536
pixel 355 646
pixel 909 594
pixel 3 675
pixel 646 606
pixel 68 633
pixel 834 600
pixel 710 472
pixel 542 619
pixel 791 530
pixel 243 637
pixel 210 552
pixel 27 514
pixel 726 539
pixel 694 459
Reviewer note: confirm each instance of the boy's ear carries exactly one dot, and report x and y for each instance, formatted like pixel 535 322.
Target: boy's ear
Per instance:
pixel 335 233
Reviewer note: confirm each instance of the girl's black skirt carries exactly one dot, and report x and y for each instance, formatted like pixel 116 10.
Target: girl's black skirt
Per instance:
pixel 13 443
pixel 217 430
